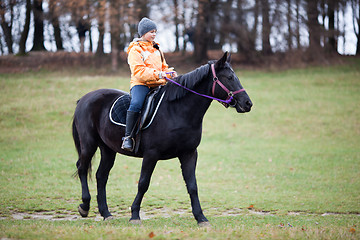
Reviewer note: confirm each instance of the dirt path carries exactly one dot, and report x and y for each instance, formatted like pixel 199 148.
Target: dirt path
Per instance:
pixel 158 212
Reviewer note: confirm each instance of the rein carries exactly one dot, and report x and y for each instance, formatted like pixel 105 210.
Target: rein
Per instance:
pixel 216 81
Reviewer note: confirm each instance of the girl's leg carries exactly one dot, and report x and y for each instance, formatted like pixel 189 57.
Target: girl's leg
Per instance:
pixel 138 95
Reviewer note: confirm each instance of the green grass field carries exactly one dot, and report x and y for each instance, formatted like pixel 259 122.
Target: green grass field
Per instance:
pixel 288 169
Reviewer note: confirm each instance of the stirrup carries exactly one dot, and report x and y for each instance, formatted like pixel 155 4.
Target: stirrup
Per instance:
pixel 126 141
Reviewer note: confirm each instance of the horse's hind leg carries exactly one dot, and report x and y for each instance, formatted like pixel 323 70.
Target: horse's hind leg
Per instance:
pixel 147 168
pixel 85 206
pixel 102 175
pixel 188 166
pixel 83 165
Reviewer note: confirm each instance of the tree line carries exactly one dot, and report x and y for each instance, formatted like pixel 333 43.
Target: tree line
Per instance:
pixel 252 28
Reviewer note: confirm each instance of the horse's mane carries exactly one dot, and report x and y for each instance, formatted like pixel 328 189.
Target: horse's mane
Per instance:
pixel 189 80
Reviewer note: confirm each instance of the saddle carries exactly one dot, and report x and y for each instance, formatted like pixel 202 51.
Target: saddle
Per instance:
pixel 152 102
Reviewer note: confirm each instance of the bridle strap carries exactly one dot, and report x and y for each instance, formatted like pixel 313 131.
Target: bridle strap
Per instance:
pixel 217 81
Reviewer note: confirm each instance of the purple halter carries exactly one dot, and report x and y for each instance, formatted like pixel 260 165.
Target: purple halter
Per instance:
pixel 216 81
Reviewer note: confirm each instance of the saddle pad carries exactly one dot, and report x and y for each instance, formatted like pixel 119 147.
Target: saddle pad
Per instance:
pixel 119 109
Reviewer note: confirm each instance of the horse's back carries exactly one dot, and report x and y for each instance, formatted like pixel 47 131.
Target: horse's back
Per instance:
pixel 98 99
pixel 100 95
pixel 91 106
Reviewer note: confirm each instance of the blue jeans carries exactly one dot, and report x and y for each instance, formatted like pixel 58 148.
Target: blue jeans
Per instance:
pixel 138 94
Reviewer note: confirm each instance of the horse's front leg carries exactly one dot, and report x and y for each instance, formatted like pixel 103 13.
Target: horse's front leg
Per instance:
pixel 147 168
pixel 188 166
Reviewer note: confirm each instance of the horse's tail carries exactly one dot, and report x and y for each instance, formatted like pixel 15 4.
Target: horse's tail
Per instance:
pixel 76 138
pixel 76 134
pixel 77 146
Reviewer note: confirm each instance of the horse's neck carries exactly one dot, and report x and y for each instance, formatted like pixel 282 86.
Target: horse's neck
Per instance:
pixel 195 106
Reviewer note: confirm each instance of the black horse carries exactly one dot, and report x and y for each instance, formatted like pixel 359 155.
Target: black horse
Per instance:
pixel 174 132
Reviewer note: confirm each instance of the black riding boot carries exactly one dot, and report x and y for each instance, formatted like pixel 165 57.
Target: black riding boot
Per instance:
pixel 128 140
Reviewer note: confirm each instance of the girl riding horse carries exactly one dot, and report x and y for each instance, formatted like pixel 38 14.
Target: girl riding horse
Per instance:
pixel 148 69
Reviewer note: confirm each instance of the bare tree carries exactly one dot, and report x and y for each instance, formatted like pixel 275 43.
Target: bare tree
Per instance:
pixel 208 24
pixel 298 21
pixel 289 21
pixel 7 25
pixel 215 16
pixel 116 28
pixel 201 35
pixel 253 31
pixel 101 11
pixel 355 5
pixel 38 41
pixel 329 33
pixel 187 22
pixel 332 5
pixel 314 28
pixel 25 32
pixel 266 27
pixel 246 33
pixel 177 22
pixel 141 8
pixel 54 19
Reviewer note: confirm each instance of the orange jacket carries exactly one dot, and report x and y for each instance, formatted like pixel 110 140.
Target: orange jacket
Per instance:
pixel 145 63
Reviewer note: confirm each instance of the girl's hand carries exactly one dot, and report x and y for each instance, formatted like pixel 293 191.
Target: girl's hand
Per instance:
pixel 173 74
pixel 162 75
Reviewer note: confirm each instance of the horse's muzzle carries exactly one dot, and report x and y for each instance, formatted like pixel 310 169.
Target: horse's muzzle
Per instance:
pixel 243 107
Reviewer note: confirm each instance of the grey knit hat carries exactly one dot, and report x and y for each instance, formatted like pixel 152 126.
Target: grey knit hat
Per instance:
pixel 145 25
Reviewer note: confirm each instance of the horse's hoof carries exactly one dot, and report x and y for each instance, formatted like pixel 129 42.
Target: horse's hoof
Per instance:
pixel 135 221
pixel 204 225
pixel 82 212
pixel 109 218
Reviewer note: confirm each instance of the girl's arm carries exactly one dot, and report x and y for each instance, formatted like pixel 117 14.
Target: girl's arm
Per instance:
pixel 138 68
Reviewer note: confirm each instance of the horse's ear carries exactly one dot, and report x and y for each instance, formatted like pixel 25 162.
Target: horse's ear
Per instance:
pixel 221 62
pixel 228 58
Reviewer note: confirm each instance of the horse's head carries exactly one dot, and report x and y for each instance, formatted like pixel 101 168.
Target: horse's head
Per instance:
pixel 227 85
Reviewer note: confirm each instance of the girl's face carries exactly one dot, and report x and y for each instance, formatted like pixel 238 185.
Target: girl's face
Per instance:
pixel 150 36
